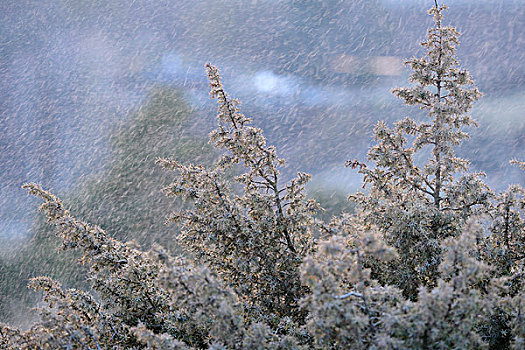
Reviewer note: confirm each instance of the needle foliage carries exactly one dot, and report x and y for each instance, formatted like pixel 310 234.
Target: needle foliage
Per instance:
pixel 431 258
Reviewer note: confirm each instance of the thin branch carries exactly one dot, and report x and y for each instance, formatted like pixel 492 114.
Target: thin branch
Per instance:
pixel 347 295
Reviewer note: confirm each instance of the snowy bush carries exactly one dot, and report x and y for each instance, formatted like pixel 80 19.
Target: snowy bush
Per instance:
pixel 431 259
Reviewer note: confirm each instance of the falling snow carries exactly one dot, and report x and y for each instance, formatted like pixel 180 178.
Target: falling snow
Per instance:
pixel 315 75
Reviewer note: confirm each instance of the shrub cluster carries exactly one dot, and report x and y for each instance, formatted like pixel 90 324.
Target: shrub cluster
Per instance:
pixel 431 259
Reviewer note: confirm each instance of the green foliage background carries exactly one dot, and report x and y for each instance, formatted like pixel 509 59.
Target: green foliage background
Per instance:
pixel 126 199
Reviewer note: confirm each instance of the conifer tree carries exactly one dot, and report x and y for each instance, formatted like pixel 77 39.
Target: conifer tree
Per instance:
pixel 417 204
pixel 431 261
pixel 503 247
pixel 255 240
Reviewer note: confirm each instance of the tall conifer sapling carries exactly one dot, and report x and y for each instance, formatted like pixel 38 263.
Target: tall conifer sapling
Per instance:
pixel 416 205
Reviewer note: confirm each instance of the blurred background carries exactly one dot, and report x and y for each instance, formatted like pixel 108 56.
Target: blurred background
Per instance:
pixel 91 92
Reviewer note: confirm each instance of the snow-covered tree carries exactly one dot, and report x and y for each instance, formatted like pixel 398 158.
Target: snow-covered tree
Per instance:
pixel 431 260
pixel 254 240
pixel 420 191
